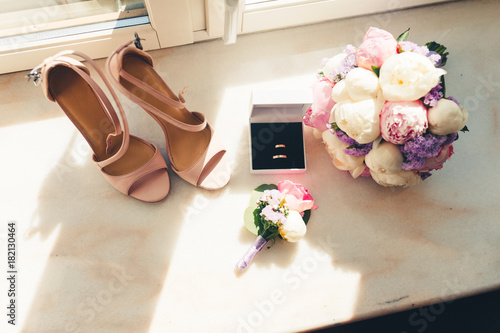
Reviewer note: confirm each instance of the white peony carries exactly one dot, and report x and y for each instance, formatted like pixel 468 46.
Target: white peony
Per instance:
pixel 332 63
pixel 447 117
pixel 354 164
pixel 294 229
pixel 362 84
pixel 403 178
pixel 339 92
pixel 408 76
pixel 384 158
pixel 360 120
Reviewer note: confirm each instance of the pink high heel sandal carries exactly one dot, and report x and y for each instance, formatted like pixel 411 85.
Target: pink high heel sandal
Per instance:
pixel 196 154
pixel 132 165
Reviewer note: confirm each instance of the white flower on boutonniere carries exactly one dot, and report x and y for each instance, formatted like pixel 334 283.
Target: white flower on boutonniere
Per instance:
pixel 294 229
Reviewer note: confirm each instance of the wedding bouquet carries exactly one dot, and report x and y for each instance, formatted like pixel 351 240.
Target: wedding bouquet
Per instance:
pixel 382 109
pixel 281 211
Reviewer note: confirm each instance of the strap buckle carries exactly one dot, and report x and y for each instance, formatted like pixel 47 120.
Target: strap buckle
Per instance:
pixel 137 41
pixel 36 77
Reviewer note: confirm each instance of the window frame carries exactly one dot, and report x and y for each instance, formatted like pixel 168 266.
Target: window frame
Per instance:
pixel 280 14
pixel 171 24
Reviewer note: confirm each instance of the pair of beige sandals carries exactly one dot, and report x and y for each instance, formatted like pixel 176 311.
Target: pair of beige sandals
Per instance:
pixel 132 165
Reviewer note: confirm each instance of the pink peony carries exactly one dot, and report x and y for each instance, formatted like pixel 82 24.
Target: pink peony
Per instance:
pixel 323 103
pixel 436 162
pixel 401 121
pixel 322 95
pixel 377 46
pixel 316 119
pixel 366 172
pixel 296 196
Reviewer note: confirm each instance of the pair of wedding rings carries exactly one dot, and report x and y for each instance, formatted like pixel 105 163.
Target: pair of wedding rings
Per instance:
pixel 280 155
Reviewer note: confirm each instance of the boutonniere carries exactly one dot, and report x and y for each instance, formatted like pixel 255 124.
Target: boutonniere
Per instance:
pixel 281 211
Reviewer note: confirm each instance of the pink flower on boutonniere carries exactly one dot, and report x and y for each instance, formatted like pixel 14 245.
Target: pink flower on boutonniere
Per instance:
pixel 378 45
pixel 296 196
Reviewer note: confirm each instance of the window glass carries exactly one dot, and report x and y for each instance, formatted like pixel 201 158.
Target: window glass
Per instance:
pixel 30 16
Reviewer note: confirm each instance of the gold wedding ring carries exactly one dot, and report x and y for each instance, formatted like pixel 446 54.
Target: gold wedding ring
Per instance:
pixel 280 146
pixel 278 156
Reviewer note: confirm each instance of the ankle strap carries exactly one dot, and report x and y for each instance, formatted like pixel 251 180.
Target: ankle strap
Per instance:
pixel 120 124
pixel 115 71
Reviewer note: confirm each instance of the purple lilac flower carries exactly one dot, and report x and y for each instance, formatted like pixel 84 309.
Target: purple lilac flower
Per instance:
pixel 271 215
pixel 417 163
pixel 407 46
pixel 426 145
pixel 355 148
pixel 345 138
pixel 449 139
pixel 350 51
pixel 334 129
pixel 324 61
pixel 435 58
pixel 359 149
pixel 432 97
pixel 341 71
pixel 416 150
pixel 453 99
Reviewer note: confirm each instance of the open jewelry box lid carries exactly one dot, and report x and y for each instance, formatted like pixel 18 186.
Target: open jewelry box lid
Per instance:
pixel 276 131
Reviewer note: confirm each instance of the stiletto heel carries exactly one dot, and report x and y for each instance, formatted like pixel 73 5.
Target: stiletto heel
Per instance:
pixel 132 165
pixel 195 152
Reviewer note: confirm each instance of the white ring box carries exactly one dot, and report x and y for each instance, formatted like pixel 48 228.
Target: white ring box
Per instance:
pixel 277 132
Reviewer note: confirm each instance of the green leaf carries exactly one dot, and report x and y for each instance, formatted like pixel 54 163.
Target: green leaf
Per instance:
pixel 439 49
pixel 443 85
pixel 272 235
pixel 335 127
pixel 307 216
pixel 404 36
pixel 250 220
pixel 264 187
pixel 376 70
pixel 258 221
